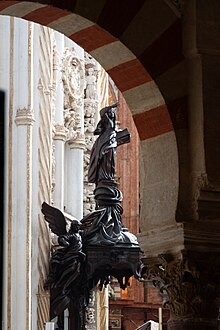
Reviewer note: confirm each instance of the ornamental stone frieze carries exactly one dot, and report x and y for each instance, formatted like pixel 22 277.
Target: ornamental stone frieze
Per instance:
pixel 24 116
pixel 192 284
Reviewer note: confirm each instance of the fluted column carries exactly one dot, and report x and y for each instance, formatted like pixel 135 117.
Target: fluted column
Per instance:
pixel 21 251
pixel 59 144
pixel 59 129
pixel 16 80
pixel 75 175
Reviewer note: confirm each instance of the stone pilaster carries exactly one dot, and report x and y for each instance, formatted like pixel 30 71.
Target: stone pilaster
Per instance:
pixel 58 171
pixel 74 84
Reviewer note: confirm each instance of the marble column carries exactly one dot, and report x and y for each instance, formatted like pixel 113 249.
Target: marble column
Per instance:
pixel 59 144
pixel 59 129
pixel 75 176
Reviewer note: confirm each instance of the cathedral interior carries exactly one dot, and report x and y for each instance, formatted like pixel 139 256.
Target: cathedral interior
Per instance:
pixel 164 57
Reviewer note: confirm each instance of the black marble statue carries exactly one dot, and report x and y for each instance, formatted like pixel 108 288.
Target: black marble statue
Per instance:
pixel 98 246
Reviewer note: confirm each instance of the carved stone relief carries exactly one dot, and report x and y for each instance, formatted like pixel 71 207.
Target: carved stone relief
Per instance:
pixel 192 286
pixel 90 122
pixel 90 314
pixel 73 78
pixel 74 85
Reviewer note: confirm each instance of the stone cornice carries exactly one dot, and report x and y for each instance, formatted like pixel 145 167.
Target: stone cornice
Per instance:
pixel 198 236
pixel 167 239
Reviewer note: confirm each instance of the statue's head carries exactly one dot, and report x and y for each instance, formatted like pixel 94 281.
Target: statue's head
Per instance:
pixel 109 110
pixel 108 118
pixel 75 225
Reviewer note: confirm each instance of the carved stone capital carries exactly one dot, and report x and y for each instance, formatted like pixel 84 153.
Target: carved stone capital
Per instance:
pixel 191 282
pixel 78 142
pixel 60 132
pixel 24 116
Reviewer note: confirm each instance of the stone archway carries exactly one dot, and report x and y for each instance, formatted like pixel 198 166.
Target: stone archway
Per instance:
pixel 159 166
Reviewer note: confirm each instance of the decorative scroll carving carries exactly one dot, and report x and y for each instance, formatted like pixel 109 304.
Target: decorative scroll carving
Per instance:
pixel 192 285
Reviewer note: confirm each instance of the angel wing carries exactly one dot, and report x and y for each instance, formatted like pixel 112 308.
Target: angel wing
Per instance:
pixel 55 218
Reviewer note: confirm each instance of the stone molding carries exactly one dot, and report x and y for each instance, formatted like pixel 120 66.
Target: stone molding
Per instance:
pixel 199 235
pixel 167 239
pixel 24 116
pixel 60 132
pixel 77 142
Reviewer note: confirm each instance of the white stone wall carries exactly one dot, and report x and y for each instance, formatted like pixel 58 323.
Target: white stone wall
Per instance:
pixel 39 146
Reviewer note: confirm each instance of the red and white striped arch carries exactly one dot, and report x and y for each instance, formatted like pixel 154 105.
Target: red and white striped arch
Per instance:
pixel 159 167
pixel 139 89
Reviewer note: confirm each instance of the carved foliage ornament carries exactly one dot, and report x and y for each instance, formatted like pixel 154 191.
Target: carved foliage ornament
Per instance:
pixel 193 290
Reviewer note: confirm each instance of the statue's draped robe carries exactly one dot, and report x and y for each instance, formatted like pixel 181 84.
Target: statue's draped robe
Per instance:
pixel 107 228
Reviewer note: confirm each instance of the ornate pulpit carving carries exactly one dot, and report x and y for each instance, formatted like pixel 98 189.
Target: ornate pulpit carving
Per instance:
pixel 98 246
